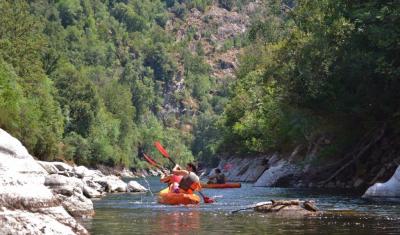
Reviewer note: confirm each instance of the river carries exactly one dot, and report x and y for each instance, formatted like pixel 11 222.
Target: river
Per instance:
pixel 141 214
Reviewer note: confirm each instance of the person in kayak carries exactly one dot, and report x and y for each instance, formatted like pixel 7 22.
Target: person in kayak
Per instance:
pixel 190 182
pixel 173 182
pixel 217 178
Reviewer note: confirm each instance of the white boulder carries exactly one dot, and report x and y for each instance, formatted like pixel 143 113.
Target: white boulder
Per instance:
pixel 27 205
pixel 134 186
pixel 389 189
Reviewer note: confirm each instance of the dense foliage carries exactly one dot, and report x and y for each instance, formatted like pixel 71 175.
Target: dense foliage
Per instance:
pixel 321 67
pixel 93 81
pixel 97 81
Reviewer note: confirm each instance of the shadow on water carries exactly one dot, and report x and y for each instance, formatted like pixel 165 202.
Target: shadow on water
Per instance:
pixel 141 214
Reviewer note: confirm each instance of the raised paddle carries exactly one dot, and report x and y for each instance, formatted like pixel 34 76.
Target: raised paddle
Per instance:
pixel 150 160
pixel 164 152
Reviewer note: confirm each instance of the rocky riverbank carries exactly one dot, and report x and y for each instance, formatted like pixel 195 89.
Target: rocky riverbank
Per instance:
pixel 39 197
pixel 372 161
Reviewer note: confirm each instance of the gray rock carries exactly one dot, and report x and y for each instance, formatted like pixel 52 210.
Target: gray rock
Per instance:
pixel 70 191
pixel 49 167
pixel 289 208
pixel 275 174
pixel 243 169
pixel 81 171
pixel 27 205
pixel 77 204
pixel 389 189
pixel 134 186
pixel 90 192
pixel 61 180
pixel 127 173
pixel 112 183
pixel 25 222
pixel 66 190
pixel 61 166
pixel 96 186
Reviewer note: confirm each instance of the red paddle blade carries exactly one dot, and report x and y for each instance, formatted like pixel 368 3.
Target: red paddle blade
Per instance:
pixel 150 160
pixel 161 149
pixel 208 200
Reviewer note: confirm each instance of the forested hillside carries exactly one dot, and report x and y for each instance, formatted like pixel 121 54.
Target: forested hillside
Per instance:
pixel 96 81
pixel 321 69
pixel 86 81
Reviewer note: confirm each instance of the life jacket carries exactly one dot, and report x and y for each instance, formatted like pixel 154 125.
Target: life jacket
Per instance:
pixel 176 178
pixel 189 181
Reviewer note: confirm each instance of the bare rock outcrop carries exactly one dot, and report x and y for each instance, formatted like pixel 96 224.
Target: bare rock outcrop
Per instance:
pixel 39 197
pixel 279 173
pixel 27 205
pixel 134 186
pixel 243 169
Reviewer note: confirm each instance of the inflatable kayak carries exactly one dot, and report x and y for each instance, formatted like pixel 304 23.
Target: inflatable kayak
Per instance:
pixel 226 185
pixel 166 197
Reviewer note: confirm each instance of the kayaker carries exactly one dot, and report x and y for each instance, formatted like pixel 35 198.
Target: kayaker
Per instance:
pixel 173 182
pixel 217 178
pixel 190 182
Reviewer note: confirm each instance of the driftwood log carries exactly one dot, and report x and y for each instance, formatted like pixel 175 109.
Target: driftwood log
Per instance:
pixel 288 207
pixel 294 206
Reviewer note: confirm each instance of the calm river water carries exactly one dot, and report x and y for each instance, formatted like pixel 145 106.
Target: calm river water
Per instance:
pixel 140 214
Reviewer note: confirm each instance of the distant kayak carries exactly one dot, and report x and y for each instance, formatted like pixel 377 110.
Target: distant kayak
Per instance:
pixel 169 198
pixel 226 185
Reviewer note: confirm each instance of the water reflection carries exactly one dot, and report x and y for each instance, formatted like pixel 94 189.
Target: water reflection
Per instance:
pixel 177 222
pixel 121 214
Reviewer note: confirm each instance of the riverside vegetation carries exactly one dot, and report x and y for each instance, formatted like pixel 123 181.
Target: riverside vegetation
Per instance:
pixel 95 81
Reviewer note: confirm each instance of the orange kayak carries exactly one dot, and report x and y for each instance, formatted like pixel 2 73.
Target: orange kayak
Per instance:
pixel 166 197
pixel 226 185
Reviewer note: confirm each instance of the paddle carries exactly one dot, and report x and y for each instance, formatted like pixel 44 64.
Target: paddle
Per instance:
pixel 151 161
pixel 164 152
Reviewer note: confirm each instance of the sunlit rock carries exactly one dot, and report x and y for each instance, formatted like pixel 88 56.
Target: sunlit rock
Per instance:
pixel 27 205
pixel 134 186
pixel 278 174
pixel 112 183
pixel 390 188
pixel 49 167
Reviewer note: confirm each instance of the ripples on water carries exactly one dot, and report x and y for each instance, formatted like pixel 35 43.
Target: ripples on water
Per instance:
pixel 140 214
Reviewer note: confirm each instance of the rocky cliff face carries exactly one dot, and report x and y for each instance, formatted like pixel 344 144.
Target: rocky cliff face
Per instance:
pixel 213 32
pixel 215 36
pixel 374 159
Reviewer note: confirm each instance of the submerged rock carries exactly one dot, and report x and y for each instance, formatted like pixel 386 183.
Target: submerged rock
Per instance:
pixel 289 208
pixel 389 189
